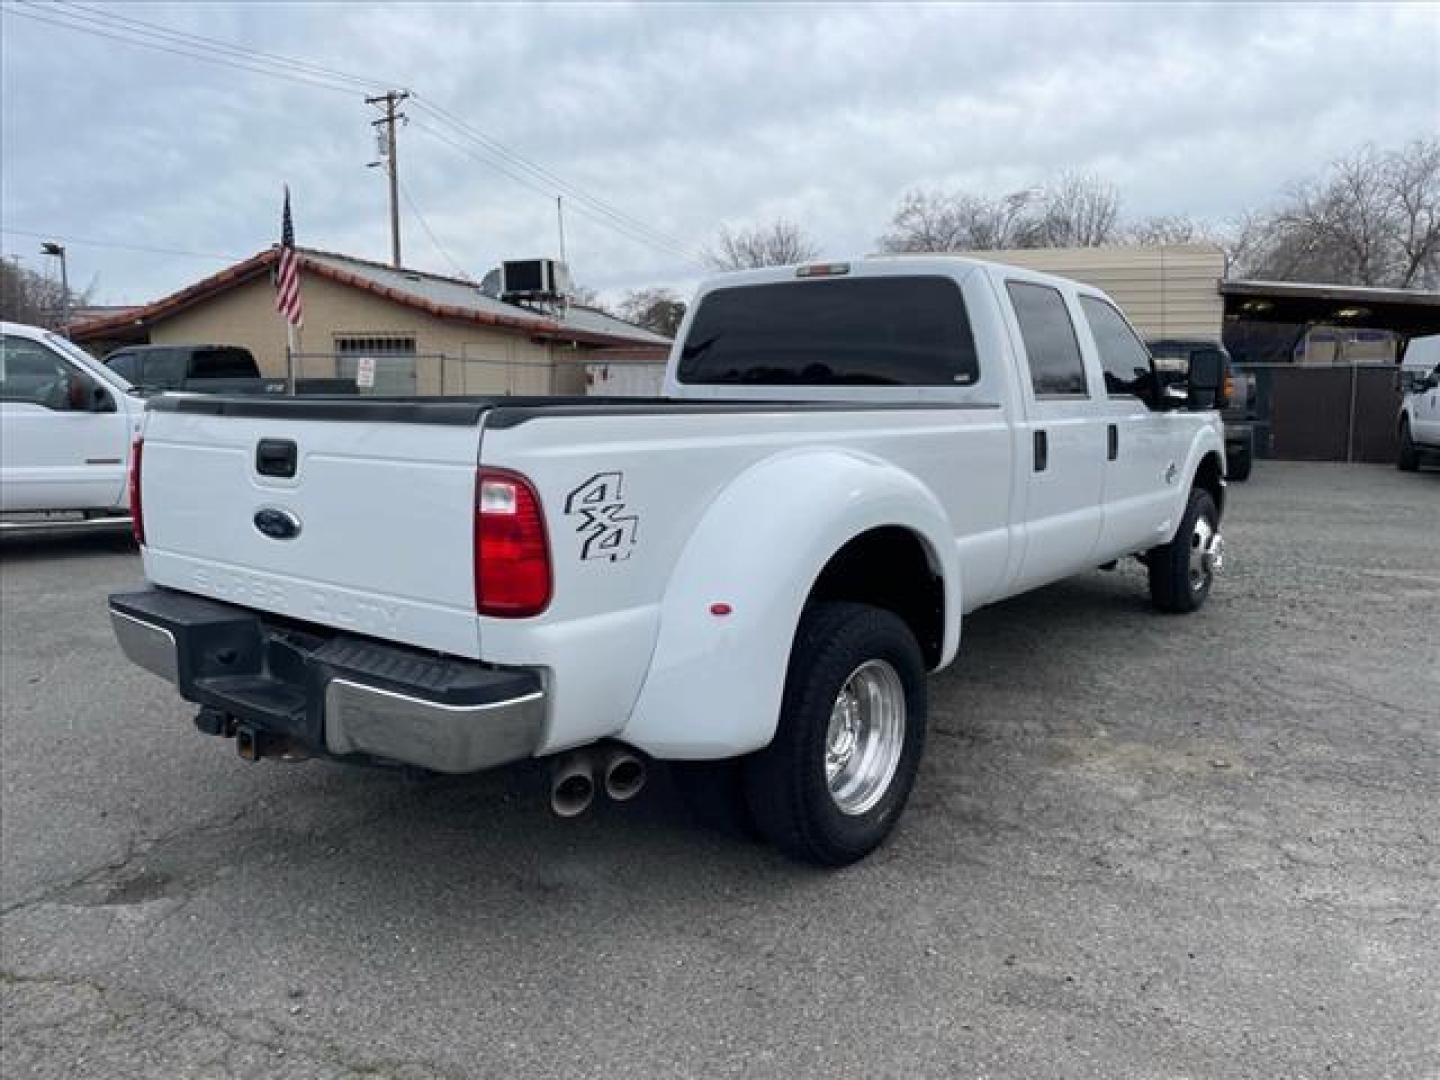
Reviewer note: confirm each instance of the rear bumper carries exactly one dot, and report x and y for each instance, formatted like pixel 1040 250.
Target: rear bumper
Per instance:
pixel 332 694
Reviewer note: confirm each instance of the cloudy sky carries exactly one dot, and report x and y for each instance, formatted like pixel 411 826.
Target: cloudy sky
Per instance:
pixel 670 119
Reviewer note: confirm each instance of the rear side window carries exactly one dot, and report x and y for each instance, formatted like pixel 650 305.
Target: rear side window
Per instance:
pixel 1051 348
pixel 126 365
pixel 1125 360
pixel 890 331
pixel 231 363
pixel 164 367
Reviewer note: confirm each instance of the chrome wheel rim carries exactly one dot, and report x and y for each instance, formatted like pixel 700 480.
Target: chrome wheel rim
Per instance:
pixel 865 738
pixel 1207 554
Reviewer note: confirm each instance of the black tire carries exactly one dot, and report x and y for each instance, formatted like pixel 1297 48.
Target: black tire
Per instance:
pixel 785 784
pixel 1172 587
pixel 1408 460
pixel 714 792
pixel 1238 467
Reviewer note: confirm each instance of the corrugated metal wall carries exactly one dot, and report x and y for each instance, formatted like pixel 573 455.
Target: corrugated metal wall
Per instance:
pixel 1170 290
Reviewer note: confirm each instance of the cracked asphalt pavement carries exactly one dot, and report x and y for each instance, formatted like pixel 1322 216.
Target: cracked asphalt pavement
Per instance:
pixel 1141 846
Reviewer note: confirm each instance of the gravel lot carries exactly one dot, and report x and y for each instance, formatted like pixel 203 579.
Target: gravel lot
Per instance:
pixel 1141 846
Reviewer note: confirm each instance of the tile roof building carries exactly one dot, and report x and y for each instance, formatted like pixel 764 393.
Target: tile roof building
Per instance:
pixel 426 333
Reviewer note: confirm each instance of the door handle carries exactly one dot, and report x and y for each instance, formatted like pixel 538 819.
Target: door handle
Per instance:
pixel 1113 450
pixel 1042 451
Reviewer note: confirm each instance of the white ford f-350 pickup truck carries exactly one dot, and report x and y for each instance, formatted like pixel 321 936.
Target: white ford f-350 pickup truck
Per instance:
pixel 750 575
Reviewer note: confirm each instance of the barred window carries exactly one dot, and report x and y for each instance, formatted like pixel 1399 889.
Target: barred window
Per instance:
pixel 394 356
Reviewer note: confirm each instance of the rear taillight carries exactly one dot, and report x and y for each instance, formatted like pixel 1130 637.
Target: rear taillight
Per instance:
pixel 137 512
pixel 512 555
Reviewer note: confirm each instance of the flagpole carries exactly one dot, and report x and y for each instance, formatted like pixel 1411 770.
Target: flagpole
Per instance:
pixel 290 350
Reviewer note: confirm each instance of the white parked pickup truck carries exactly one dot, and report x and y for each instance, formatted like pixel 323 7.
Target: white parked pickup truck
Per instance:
pixel 750 575
pixel 66 426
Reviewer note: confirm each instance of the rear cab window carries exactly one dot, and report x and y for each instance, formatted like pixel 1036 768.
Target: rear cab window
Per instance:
pixel 1052 350
pixel 229 362
pixel 865 331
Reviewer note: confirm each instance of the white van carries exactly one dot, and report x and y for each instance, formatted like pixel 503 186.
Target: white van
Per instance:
pixel 66 426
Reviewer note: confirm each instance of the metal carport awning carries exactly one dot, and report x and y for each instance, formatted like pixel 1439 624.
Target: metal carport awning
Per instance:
pixel 1407 312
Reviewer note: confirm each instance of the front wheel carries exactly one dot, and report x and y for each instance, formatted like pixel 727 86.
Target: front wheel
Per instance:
pixel 1182 571
pixel 1408 460
pixel 832 784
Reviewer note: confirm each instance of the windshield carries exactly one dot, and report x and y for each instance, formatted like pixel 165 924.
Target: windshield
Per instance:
pixel 85 360
pixel 879 331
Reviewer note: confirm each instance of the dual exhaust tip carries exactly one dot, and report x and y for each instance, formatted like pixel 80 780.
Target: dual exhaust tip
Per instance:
pixel 580 774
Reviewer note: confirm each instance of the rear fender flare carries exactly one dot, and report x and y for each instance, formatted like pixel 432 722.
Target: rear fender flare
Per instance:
pixel 715 680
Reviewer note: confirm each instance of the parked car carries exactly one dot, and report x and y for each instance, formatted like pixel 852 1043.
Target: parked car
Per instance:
pixel 749 577
pixel 1420 420
pixel 1172 357
pixel 206 369
pixel 66 426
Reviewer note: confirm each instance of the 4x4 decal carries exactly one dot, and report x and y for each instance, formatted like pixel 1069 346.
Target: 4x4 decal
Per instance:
pixel 609 532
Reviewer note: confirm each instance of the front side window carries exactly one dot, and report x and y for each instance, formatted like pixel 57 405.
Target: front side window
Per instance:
pixel 874 331
pixel 1051 348
pixel 29 372
pixel 1125 360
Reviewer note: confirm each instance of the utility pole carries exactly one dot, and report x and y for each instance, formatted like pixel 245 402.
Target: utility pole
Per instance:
pixel 388 102
pixel 560 220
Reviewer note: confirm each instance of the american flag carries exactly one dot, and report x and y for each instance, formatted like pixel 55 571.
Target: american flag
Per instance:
pixel 287 275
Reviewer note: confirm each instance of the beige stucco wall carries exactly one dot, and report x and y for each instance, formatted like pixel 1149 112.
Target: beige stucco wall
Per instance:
pixel 1166 290
pixel 479 359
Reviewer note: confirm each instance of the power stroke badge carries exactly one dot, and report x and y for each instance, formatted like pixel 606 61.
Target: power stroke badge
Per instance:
pixel 606 530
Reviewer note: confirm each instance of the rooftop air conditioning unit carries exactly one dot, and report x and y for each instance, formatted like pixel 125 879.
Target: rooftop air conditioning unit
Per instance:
pixel 533 279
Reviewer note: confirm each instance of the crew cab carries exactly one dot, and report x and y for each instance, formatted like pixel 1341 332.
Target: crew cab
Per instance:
pixel 210 369
pixel 748 577
pixel 66 426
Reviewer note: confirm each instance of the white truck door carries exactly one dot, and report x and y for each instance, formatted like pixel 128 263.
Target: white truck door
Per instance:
pixel 1426 425
pixel 1137 500
pixel 56 454
pixel 1065 433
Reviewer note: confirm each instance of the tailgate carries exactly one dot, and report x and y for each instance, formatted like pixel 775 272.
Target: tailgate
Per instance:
pixel 373 532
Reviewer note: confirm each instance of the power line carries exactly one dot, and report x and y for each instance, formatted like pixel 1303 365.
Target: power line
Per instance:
pixel 83 242
pixel 258 55
pixel 550 179
pixel 138 32
pixel 434 240
pixel 188 54
pixel 546 192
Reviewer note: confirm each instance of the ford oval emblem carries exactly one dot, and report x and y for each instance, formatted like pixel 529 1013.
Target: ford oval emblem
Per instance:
pixel 276 523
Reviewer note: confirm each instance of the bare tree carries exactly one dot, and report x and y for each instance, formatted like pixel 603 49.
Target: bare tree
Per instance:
pixel 1169 229
pixel 1077 210
pixel 957 221
pixel 778 244
pixel 1413 181
pixel 658 310
pixel 1372 219
pixel 30 297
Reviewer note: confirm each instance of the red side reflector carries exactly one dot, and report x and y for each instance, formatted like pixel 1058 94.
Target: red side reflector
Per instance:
pixel 512 554
pixel 137 512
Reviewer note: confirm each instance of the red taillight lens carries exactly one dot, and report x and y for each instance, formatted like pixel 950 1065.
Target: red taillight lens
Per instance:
pixel 512 555
pixel 137 513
